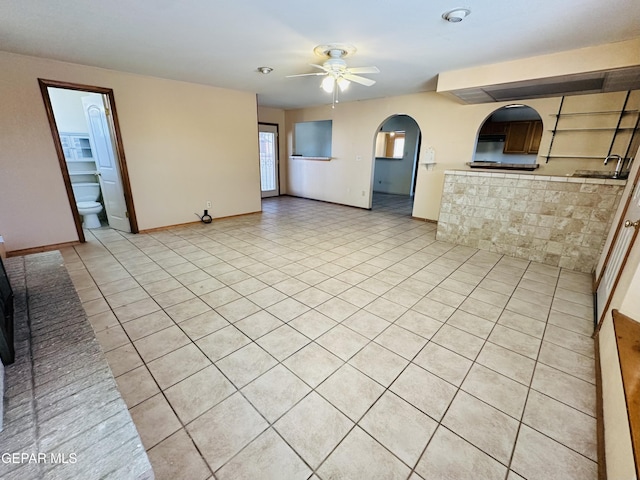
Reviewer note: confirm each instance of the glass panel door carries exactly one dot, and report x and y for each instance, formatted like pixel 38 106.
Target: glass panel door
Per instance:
pixel 268 140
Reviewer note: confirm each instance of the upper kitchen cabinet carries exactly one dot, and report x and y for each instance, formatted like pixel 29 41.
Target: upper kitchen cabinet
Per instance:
pixel 493 128
pixel 523 137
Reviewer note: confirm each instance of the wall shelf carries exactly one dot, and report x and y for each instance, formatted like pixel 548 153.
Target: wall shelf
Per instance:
pixel 608 112
pixel 597 157
pixel 603 129
pixel 612 126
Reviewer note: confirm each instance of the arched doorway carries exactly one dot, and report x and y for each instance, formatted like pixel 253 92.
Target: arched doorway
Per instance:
pixel 397 147
pixel 510 135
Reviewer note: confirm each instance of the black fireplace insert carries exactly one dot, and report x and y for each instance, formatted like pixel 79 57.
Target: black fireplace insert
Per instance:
pixel 7 352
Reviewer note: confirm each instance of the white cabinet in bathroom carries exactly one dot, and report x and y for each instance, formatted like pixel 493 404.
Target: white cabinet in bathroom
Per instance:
pixel 76 147
pixel 81 165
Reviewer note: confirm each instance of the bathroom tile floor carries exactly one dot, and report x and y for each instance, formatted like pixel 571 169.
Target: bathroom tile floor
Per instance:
pixel 321 341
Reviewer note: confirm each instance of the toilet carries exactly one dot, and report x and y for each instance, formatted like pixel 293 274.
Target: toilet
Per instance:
pixel 86 195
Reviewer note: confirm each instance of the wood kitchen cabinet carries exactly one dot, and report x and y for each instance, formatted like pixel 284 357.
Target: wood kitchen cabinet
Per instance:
pixel 536 136
pixel 494 128
pixel 523 137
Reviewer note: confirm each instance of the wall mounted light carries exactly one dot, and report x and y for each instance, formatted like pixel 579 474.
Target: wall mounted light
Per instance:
pixel 456 15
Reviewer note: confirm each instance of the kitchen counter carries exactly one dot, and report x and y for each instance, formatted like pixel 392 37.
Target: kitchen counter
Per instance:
pixel 556 220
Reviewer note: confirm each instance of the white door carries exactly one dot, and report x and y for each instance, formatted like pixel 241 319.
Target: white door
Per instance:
pixel 620 251
pixel 102 146
pixel 268 139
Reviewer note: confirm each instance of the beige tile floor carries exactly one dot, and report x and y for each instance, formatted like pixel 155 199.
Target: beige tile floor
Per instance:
pixel 321 341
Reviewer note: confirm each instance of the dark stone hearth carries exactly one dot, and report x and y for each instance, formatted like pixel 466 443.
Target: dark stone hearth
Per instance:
pixel 60 396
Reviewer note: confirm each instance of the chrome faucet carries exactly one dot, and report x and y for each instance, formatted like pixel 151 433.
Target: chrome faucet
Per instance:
pixel 619 165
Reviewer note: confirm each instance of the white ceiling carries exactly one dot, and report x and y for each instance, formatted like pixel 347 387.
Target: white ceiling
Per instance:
pixel 222 43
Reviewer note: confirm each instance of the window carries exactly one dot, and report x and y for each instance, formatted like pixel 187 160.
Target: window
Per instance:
pixel 390 144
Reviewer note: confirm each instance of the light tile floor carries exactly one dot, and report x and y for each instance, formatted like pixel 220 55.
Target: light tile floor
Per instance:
pixel 321 341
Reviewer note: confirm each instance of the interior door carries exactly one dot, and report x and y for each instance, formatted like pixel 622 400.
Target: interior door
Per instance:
pixel 624 241
pixel 268 140
pixel 102 146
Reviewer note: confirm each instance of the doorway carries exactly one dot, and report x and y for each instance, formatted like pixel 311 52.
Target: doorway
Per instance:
pixel 397 150
pixel 268 140
pixel 623 241
pixel 84 126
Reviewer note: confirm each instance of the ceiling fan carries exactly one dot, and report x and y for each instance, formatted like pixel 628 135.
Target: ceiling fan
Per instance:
pixel 335 69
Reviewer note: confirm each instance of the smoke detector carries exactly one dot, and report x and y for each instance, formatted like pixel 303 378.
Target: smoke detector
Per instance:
pixel 456 15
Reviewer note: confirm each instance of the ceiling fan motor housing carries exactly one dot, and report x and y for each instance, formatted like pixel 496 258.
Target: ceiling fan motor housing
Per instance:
pixel 335 65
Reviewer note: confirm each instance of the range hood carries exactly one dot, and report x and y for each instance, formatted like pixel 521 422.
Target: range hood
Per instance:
pixel 617 80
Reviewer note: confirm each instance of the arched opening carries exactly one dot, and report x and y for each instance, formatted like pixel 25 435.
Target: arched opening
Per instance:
pixel 397 146
pixel 509 136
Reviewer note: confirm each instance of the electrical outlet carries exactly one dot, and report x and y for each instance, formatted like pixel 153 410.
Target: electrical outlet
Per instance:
pixel 209 204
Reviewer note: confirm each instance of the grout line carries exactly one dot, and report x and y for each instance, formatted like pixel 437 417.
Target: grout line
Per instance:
pixel 263 243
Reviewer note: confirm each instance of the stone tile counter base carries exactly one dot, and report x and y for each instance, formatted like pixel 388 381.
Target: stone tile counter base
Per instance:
pixel 559 221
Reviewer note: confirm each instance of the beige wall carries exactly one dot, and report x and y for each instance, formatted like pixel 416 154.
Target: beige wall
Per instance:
pixel 185 144
pixel 446 125
pixel 276 116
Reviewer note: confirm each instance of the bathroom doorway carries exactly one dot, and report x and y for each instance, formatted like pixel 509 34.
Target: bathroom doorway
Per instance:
pixel 84 125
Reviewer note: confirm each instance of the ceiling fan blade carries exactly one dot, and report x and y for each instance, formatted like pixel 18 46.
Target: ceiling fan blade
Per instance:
pixel 315 74
pixel 367 82
pixel 364 70
pixel 321 67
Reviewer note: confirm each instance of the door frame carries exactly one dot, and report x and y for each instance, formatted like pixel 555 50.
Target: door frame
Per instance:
pixel 277 144
pixel 119 148
pixel 621 221
pixel 598 280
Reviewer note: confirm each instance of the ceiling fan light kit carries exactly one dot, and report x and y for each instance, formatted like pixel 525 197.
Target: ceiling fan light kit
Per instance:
pixel 327 84
pixel 456 15
pixel 335 69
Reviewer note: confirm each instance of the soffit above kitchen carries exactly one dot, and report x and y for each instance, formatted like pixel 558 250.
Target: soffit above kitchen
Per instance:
pixel 601 69
pixel 224 44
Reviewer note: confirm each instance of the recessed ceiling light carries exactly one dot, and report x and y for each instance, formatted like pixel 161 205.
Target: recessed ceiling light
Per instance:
pixel 456 15
pixel 265 70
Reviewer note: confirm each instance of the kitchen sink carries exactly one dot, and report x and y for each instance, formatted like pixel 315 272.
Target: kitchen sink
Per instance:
pixel 600 174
